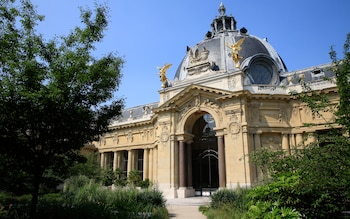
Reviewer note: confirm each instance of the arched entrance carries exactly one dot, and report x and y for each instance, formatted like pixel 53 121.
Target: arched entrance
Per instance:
pixel 205 174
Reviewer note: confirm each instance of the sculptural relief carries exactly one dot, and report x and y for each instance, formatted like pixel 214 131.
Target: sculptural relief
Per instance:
pixel 235 128
pixel 199 62
pixel 130 137
pixel 164 136
pixel 271 140
pixel 232 83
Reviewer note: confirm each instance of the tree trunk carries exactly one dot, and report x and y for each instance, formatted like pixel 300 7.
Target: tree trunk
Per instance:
pixel 35 195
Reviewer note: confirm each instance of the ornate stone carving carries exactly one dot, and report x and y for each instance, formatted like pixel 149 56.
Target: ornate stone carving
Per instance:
pixel 234 128
pixel 130 137
pixel 272 141
pixel 115 139
pixel 211 104
pixel 164 136
pixel 199 62
pixel 284 114
pixel 232 83
pixel 103 141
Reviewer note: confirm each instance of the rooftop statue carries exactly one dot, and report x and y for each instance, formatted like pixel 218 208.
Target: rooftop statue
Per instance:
pixel 162 74
pixel 235 49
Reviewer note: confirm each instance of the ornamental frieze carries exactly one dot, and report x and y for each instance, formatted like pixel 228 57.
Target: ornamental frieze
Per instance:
pixel 234 128
pixel 164 136
pixel 199 62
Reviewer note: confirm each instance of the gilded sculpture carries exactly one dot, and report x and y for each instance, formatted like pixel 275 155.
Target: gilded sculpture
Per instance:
pixel 162 74
pixel 235 51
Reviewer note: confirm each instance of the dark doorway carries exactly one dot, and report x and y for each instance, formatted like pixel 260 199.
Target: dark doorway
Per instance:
pixel 205 174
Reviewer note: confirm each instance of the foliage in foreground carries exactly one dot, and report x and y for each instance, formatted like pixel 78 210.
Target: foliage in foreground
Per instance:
pixel 314 180
pixel 55 96
pixel 240 203
pixel 226 203
pixel 83 198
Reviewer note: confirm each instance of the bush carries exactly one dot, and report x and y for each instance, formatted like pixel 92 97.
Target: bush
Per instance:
pixel 152 197
pixel 227 203
pixel 134 177
pixel 14 206
pixel 235 197
pixel 84 198
pixel 268 210
pixel 226 211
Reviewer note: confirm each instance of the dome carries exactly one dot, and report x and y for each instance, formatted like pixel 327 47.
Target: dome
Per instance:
pixel 226 49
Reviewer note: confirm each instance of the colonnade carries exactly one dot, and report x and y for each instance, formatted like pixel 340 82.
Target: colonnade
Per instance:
pixel 128 160
pixel 290 142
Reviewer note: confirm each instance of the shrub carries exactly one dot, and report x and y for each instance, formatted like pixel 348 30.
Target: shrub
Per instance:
pixel 235 197
pixel 225 211
pixel 227 203
pixel 14 206
pixel 151 196
pixel 84 198
pixel 268 210
pixel 134 177
pixel 120 178
pixel 108 176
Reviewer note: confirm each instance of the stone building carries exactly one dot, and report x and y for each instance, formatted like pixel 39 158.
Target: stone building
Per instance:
pixel 230 96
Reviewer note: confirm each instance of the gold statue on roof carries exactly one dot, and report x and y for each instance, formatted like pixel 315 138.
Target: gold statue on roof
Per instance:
pixel 162 74
pixel 235 49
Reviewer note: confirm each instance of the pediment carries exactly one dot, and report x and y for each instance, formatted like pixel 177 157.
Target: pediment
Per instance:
pixel 193 95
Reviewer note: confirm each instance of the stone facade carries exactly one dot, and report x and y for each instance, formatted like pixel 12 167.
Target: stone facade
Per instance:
pixel 197 138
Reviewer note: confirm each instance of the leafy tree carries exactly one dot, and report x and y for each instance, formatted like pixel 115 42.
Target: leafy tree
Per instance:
pixel 89 167
pixel 55 96
pixel 315 180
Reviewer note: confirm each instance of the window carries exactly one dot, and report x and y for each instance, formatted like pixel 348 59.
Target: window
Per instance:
pixel 317 74
pixel 262 70
pixel 125 163
pixel 140 162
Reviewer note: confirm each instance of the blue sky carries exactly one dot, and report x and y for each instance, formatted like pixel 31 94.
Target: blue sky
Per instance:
pixel 150 33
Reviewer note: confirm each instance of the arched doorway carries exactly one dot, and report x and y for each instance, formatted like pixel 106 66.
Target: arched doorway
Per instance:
pixel 205 174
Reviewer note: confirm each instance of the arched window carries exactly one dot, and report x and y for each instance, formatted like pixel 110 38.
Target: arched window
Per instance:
pixel 262 70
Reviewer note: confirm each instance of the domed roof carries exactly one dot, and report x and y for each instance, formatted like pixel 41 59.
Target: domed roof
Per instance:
pixel 225 49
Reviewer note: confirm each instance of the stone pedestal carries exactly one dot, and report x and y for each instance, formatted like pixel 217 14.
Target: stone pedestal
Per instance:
pixel 184 192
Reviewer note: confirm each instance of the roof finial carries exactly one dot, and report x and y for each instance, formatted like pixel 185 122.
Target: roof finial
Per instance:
pixel 222 9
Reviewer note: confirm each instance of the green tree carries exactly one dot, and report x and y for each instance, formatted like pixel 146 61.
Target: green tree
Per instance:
pixel 89 167
pixel 55 96
pixel 315 180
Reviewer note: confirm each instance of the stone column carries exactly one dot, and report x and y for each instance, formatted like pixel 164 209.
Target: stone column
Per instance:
pixel 120 159
pixel 150 173
pixel 285 144
pixel 182 164
pixel 176 165
pixel 223 23
pixel 292 142
pixel 257 146
pixel 299 141
pixel 189 164
pixel 222 167
pixel 115 160
pixel 102 159
pixel 257 142
pixel 155 163
pixel 146 164
pixel 130 161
